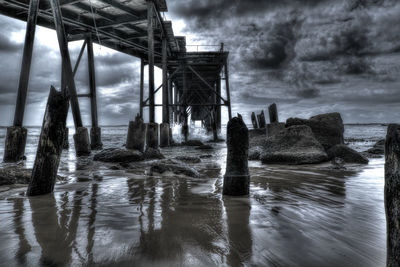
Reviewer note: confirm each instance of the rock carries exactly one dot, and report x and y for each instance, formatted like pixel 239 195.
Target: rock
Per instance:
pixel 378 148
pixel 114 168
pixel 153 153
pixel 328 128
pixel 338 164
pixel 347 154
pixel 275 128
pixel 14 176
pixel 392 194
pixel 9 176
pixel 255 153
pixel 192 143
pixel 205 147
pixel 175 167
pixel 295 145
pixel 189 159
pixel 206 156
pixel 370 156
pixel 118 155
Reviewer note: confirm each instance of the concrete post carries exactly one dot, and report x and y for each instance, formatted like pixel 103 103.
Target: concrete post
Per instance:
pixel 15 144
pixel 237 178
pixel 152 135
pixel 392 194
pixel 136 134
pixel 273 113
pixel 164 134
pixel 81 140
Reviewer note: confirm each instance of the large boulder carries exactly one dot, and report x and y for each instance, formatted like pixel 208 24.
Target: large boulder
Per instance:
pixel 327 128
pixel 192 143
pixel 188 159
pixel 294 145
pixel 118 155
pixel 173 166
pixel 347 154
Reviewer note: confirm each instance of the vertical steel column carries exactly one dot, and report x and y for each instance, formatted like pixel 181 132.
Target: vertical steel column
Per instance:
pixel 141 87
pixel 150 35
pixel 228 94
pixel 26 63
pixel 63 44
pixel 165 107
pixel 219 102
pixel 92 82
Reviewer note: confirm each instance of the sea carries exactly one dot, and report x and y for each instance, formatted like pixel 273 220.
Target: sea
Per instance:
pixel 308 215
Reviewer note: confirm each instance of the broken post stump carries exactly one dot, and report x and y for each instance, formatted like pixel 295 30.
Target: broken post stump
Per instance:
pixel 254 120
pixel 273 113
pixel 392 194
pixel 164 135
pixel 136 134
pixel 152 135
pixel 81 140
pixel 261 120
pixel 15 144
pixel 95 138
pixel 237 178
pixel 50 145
pixel 66 141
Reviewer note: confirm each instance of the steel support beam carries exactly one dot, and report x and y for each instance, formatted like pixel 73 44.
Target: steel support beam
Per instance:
pixel 141 89
pixel 165 110
pixel 26 63
pixel 150 33
pixel 69 76
pixel 92 82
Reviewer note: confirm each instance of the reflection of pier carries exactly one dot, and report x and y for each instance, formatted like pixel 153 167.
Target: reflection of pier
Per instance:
pixel 191 84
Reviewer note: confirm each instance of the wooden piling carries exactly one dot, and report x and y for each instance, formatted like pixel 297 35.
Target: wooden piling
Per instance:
pixel 273 113
pixel 261 120
pixel 50 145
pixel 14 149
pixel 254 120
pixel 392 194
pixel 66 140
pixel 237 178
pixel 228 94
pixel 141 88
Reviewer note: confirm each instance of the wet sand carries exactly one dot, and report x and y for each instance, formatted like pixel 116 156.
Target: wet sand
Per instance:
pixel 294 216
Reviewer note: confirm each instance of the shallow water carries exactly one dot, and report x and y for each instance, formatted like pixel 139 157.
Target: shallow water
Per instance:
pixel 294 216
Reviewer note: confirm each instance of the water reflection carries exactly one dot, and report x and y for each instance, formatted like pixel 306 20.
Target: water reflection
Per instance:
pixel 23 245
pixel 239 232
pixel 55 231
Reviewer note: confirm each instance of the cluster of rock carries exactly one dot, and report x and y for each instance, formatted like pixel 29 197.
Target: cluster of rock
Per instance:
pixel 304 141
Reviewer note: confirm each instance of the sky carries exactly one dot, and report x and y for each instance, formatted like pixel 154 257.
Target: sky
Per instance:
pixel 307 56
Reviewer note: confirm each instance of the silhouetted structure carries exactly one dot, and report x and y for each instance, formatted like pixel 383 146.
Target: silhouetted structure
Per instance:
pixel 191 84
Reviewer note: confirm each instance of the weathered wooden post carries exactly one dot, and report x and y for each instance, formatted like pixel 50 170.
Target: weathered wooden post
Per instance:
pixel 95 131
pixel 50 146
pixel 237 178
pixel 14 148
pixel 261 120
pixel 136 134
pixel 254 120
pixel 273 113
pixel 392 194
pixel 66 140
